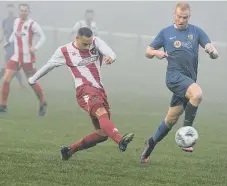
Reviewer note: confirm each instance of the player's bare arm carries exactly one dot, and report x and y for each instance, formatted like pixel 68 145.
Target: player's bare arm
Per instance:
pixel 151 52
pixel 211 50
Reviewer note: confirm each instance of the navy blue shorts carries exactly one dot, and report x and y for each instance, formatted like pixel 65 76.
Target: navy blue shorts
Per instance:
pixel 9 50
pixel 178 84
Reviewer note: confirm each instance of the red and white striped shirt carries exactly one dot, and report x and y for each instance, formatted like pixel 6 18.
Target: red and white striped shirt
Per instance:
pixel 83 65
pixel 23 37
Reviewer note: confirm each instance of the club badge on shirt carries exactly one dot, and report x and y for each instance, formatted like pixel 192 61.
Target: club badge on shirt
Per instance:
pixel 190 36
pixel 177 44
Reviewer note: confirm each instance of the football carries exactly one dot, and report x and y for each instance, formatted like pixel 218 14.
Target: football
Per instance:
pixel 186 136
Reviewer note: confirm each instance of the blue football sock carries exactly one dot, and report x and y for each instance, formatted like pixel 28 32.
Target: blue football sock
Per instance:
pixel 162 131
pixel 190 114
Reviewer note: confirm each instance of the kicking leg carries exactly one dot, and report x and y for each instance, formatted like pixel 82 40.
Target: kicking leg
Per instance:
pixel 111 131
pixel 88 141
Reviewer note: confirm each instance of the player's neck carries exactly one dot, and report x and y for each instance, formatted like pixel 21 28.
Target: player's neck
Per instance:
pixel 24 19
pixel 180 28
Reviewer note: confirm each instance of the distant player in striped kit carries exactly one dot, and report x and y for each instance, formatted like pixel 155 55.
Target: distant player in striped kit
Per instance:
pixel 7 27
pixel 24 30
pixel 84 58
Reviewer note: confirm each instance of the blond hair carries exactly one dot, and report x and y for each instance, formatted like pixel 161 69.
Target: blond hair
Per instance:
pixel 183 6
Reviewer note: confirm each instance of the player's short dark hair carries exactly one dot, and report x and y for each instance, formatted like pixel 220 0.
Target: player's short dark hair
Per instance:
pixel 89 11
pixel 10 5
pixel 24 4
pixel 85 31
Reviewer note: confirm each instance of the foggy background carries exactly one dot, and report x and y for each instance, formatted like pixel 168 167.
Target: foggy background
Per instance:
pixel 133 77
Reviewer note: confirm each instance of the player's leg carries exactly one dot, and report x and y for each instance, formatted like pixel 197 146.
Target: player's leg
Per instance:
pixel 178 84
pixel 9 53
pixel 92 139
pixel 88 141
pixel 97 105
pixel 111 130
pixel 164 127
pixel 194 95
pixel 11 68
pixel 94 101
pixel 29 71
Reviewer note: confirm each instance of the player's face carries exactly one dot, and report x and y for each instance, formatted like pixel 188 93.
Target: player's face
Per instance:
pixel 24 11
pixel 181 18
pixel 83 43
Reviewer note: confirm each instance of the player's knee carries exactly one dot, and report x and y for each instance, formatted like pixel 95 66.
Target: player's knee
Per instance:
pixel 171 120
pixel 100 111
pixel 194 93
pixel 101 133
pixel 7 77
pixel 197 95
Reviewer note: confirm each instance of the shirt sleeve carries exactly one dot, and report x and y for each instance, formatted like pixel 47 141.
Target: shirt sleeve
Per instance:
pixel 104 49
pixel 36 29
pixel 203 37
pixel 56 60
pixel 158 42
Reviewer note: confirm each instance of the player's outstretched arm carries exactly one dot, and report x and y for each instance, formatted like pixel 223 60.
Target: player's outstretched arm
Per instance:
pixel 55 61
pixel 40 73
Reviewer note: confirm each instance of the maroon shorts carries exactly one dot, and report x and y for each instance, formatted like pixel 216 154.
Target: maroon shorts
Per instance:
pixel 90 99
pixel 28 68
